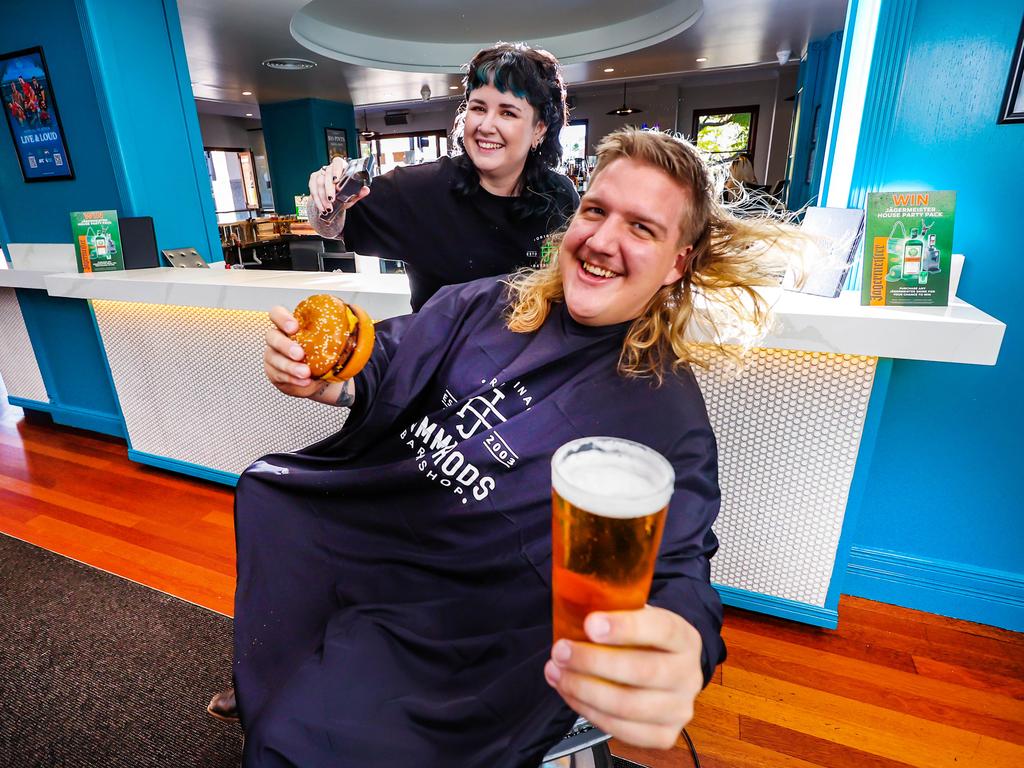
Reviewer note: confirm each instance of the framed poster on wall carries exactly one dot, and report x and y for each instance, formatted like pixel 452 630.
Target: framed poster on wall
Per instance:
pixel 337 143
pixel 32 117
pixel 1013 98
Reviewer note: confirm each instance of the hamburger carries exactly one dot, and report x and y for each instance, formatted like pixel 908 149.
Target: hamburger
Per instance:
pixel 336 337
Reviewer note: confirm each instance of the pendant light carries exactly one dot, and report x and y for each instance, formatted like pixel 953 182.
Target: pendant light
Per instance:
pixel 624 110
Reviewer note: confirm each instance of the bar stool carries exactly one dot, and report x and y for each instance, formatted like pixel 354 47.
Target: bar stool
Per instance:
pixel 584 746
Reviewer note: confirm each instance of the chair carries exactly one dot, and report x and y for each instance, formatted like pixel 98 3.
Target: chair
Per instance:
pixel 306 254
pixel 584 746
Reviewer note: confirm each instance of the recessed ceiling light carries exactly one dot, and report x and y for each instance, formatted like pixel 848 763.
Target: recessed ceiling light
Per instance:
pixel 247 93
pixel 609 69
pixel 289 64
pixel 389 95
pixel 702 59
pixel 453 87
pixel 248 114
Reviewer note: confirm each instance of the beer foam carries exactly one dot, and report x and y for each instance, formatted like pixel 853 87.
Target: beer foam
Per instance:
pixel 611 477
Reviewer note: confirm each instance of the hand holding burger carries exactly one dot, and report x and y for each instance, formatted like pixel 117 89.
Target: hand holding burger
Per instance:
pixel 325 341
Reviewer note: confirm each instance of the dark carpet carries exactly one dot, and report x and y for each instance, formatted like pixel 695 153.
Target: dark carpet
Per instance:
pixel 100 672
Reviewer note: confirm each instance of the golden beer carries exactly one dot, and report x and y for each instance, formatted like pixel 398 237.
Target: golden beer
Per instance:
pixel 609 500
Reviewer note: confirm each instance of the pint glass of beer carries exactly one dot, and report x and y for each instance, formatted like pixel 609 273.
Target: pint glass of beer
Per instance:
pixel 609 499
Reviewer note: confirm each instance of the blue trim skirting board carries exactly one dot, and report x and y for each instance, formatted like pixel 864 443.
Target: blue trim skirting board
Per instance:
pixel 83 418
pixel 70 416
pixel 778 606
pixel 184 467
pixel 951 589
pixel 34 405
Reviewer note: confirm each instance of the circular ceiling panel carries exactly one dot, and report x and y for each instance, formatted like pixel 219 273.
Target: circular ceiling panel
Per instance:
pixel 441 36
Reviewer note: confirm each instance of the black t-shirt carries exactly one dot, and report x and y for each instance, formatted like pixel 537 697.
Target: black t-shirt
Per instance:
pixel 414 214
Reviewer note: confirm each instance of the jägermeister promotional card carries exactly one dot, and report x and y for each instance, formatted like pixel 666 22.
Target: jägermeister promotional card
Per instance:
pixel 908 240
pixel 98 240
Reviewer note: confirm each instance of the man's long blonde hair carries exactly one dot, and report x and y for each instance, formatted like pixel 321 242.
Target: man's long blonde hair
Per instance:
pixel 716 295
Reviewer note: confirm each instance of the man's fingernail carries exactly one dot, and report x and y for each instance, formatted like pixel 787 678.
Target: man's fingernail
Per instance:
pixel 598 627
pixel 552 672
pixel 561 652
pixel 295 351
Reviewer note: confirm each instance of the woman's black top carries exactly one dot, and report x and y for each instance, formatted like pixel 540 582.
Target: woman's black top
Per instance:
pixel 415 214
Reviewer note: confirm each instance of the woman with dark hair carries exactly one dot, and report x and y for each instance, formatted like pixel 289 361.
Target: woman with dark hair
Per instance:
pixel 489 208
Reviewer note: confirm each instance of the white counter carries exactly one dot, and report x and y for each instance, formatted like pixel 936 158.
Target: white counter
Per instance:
pixel 23 278
pixel 959 333
pixel 381 296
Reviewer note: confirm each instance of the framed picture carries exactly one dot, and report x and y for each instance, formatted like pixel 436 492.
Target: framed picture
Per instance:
pixel 1013 100
pixel 32 117
pixel 337 143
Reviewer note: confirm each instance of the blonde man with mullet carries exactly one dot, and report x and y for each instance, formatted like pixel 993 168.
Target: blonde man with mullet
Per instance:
pixel 724 260
pixel 394 599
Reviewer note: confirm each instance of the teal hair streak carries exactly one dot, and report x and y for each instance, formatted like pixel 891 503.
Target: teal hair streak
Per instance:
pixel 483 74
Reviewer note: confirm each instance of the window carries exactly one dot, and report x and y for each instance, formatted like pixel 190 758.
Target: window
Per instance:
pixel 574 141
pixel 233 182
pixel 723 133
pixel 400 149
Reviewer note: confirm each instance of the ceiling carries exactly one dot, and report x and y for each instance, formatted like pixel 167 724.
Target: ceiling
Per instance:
pixel 227 40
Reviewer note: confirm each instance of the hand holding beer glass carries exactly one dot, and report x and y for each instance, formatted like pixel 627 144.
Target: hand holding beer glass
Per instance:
pixel 609 500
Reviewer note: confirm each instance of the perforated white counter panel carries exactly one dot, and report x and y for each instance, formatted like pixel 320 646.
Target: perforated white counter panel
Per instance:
pixel 163 359
pixel 18 366
pixel 788 428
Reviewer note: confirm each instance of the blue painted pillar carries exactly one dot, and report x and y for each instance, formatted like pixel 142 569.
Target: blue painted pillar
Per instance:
pixel 136 56
pixel 297 145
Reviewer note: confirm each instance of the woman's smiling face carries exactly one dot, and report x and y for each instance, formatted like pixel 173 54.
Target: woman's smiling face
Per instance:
pixel 500 129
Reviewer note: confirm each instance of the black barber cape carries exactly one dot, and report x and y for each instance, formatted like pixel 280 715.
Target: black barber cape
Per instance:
pixel 393 602
pixel 444 236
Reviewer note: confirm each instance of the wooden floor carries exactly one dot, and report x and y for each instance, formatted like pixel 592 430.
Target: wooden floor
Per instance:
pixel 891 687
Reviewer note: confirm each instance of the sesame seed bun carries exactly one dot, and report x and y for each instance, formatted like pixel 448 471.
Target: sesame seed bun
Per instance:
pixel 336 337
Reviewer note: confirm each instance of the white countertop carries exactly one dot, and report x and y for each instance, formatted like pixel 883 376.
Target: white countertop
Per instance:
pixel 382 296
pixel 959 333
pixel 23 278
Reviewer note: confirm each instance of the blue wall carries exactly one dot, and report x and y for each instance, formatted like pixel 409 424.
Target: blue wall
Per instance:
pixel 942 525
pixel 39 212
pixel 62 331
pixel 121 84
pixel 296 143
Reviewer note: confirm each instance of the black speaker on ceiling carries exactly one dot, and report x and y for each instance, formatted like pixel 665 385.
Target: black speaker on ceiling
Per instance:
pixel 396 118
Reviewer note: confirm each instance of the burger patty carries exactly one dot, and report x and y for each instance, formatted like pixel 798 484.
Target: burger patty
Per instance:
pixel 346 353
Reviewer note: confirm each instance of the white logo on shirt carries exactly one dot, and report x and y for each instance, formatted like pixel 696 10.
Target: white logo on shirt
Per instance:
pixel 482 408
